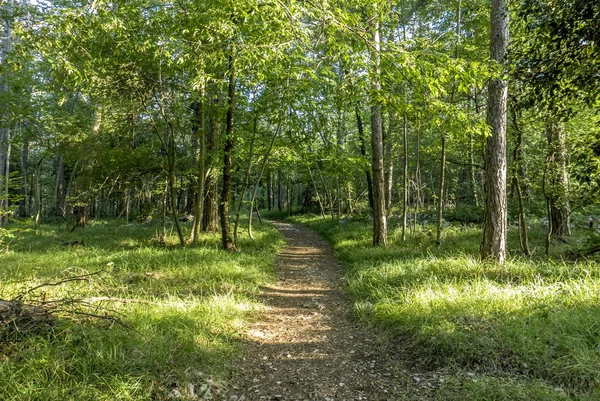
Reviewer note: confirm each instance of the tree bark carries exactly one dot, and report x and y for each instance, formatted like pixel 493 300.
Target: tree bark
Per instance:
pixel 379 218
pixel 493 245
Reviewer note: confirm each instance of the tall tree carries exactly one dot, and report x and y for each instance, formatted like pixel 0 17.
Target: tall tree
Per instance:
pixel 379 215
pixel 493 244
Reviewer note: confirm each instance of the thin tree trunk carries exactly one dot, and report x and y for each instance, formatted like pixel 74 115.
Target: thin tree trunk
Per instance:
pixel 388 149
pixel 517 171
pixel 59 190
pixel 279 192
pixel 227 242
pixel 38 196
pixel 246 182
pixel 200 136
pixel 363 152
pixel 405 176
pixel 558 179
pixel 260 174
pixel 312 178
pixel 5 119
pixel 379 218
pixel 163 236
pixel 328 196
pixel 440 205
pixel 270 202
pixel 493 245
pixel 24 201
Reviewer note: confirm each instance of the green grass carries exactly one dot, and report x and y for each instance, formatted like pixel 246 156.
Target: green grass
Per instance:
pixel 186 311
pixel 529 329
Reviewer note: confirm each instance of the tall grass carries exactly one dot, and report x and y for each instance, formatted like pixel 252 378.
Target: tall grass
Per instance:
pixel 527 330
pixel 185 308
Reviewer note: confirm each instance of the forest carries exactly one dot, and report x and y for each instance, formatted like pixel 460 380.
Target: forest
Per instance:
pixel 447 150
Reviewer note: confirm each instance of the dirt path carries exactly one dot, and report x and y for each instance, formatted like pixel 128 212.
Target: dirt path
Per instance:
pixel 307 345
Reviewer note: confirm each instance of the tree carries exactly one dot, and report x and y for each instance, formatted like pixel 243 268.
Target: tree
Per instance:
pixel 493 245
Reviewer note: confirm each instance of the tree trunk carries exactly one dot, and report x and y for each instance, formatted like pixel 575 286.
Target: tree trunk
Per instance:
pixel 5 118
pixel 59 188
pixel 226 237
pixel 24 201
pixel 517 175
pixel 363 152
pixel 379 218
pixel 246 182
pixel 270 200
pixel 260 174
pixel 405 176
pixel 558 180
pixel 210 218
pixel 440 205
pixel 493 245
pixel 388 148
pixel 279 192
pixel 200 138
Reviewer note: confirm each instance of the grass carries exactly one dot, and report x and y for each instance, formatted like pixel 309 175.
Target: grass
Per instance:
pixel 527 330
pixel 186 310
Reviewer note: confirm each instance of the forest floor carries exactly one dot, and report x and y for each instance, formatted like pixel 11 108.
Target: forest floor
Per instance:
pixel 306 344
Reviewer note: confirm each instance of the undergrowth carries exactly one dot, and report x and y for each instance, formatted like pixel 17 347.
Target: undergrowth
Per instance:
pixel 526 330
pixel 184 307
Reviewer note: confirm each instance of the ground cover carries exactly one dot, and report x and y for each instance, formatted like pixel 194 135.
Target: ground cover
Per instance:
pixel 527 330
pixel 185 310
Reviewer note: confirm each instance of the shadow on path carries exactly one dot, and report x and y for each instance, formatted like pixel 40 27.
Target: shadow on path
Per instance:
pixel 306 344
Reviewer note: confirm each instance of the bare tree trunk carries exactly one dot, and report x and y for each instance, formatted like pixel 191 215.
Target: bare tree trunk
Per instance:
pixel 363 152
pixel 226 237
pixel 246 181
pixel 440 205
pixel 5 119
pixel 516 179
pixel 38 197
pixel 59 188
pixel 317 193
pixel 6 212
pixel 199 134
pixel 379 218
pixel 24 201
pixel 558 180
pixel 260 174
pixel 405 176
pixel 388 161
pixel 279 192
pixel 493 245
pixel 270 200
pixel 210 218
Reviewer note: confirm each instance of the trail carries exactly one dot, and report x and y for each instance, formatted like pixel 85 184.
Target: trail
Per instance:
pixel 307 345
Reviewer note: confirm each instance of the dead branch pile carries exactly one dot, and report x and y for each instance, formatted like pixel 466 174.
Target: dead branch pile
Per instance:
pixel 32 313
